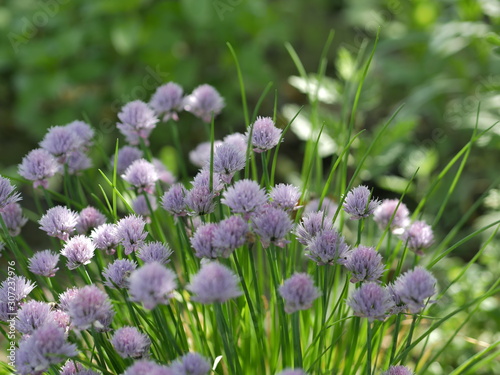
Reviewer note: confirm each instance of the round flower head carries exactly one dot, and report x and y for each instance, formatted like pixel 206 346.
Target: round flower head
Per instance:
pixel 89 218
pixel 200 156
pixel 130 233
pixel 143 367
pixel 328 247
pixel 142 175
pixel 398 370
pixel 61 318
pixel 90 306
pixel 173 200
pixel 358 203
pixel 141 207
pixel 126 156
pixel 129 342
pixel 244 197
pixel 66 297
pixel 398 305
pixel 298 292
pixel 227 161
pixel 78 161
pixel 7 193
pixel 414 288
pixel 365 264
pixel 79 250
pixel 44 263
pixel 383 214
pixel 191 364
pixel 230 234
pixel 164 175
pixel 15 289
pixel 265 135
pixel 155 252
pixel 83 131
pixel 202 241
pixel 38 166
pixel 214 283
pixel 371 301
pixel 32 315
pixel 200 200
pixel 328 207
pixel 292 372
pixel 118 272
pixel 152 284
pixel 204 102
pixel 167 101
pixel 272 225
pixel 137 121
pixel 75 368
pixel 12 215
pixel 237 140
pixel 61 141
pixel 418 236
pixel 285 196
pixel 59 221
pixel 105 238
pixel 312 224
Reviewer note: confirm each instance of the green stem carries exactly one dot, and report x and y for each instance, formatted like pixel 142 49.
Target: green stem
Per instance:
pixel 369 348
pixel 296 339
pixel 408 341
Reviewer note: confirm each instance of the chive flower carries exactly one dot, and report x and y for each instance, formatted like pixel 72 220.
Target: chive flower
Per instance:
pixel 191 364
pixel 204 102
pixel 167 101
pixel 298 292
pixel 129 342
pixel 327 248
pixel 44 263
pixel 12 215
pixel 265 135
pixel 371 301
pixel 38 166
pixel 137 122
pixel 79 250
pixel 117 273
pixel 415 287
pixel 358 203
pixel 59 222
pixel 365 264
pixel 418 236
pixel 8 194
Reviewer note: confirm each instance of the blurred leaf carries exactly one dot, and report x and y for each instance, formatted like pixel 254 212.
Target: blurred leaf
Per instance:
pixel 125 35
pixel 395 184
pixel 327 92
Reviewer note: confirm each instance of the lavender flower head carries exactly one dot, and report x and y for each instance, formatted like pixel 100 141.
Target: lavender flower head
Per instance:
pixel 126 156
pixel 83 131
pixel 173 200
pixel 32 315
pixel 143 367
pixel 137 121
pixel 152 284
pixel 118 272
pixel 202 241
pixel 129 342
pixel 371 301
pixel 358 203
pixel 89 307
pixel 214 283
pixel 105 237
pixel 245 197
pixel 415 287
pixel 90 217
pixel 130 233
pixel 298 292
pixel 15 289
pixel 418 236
pixel 61 318
pixel 75 368
pixel 227 161
pixel 59 221
pixel 167 101
pixel 78 161
pixel 383 213
pixel 328 207
pixel 285 196
pixel 398 370
pixel 230 234
pixel 272 225
pixel 265 135
pixel 7 193
pixel 61 141
pixel 200 200
pixel 204 102
pixel 44 263
pixel 202 180
pixel 164 175
pixel 79 250
pixel 191 364
pixel 365 264
pixel 292 372
pixel 328 247
pixel 200 156
pixel 38 166
pixel 312 224
pixel 142 175
pixel 12 215
pixel 238 140
pixel 66 297
pixel 141 207
pixel 155 252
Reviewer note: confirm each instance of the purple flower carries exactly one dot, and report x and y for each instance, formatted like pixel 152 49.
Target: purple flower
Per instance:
pixel 200 156
pixel 137 121
pixel 204 102
pixel 74 368
pixel 129 342
pixel 126 156
pixel 167 101
pixel 398 305
pixel 292 372
pixel 105 237
pixel 44 263
pixel 66 297
pixel 142 175
pixel 371 301
pixel 83 131
pixel 214 283
pixel 230 234
pixel 164 175
pixel 272 225
pixel 358 203
pixel 414 288
pixel 12 215
pixel 311 225
pixel 155 252
pixel 130 233
pixel 328 206
pixel 118 272
pixel 140 205
pixel 59 221
pixel 38 166
pixel 78 161
pixel 245 197
pixel 238 140
pixel 285 196
pixel 89 307
pixel 61 318
pixel 89 218
pixel 227 161
pixel 173 200
pixel 32 315
pixel 7 193
pixel 298 292
pixel 328 247
pixel 265 135
pixel 418 236
pixel 152 284
pixel 202 180
pixel 202 241
pixel 79 250
pixel 200 200
pixel 398 370
pixel 61 141
pixel 365 264
pixel 385 212
pixel 143 367
pixel 191 364
pixel 15 289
